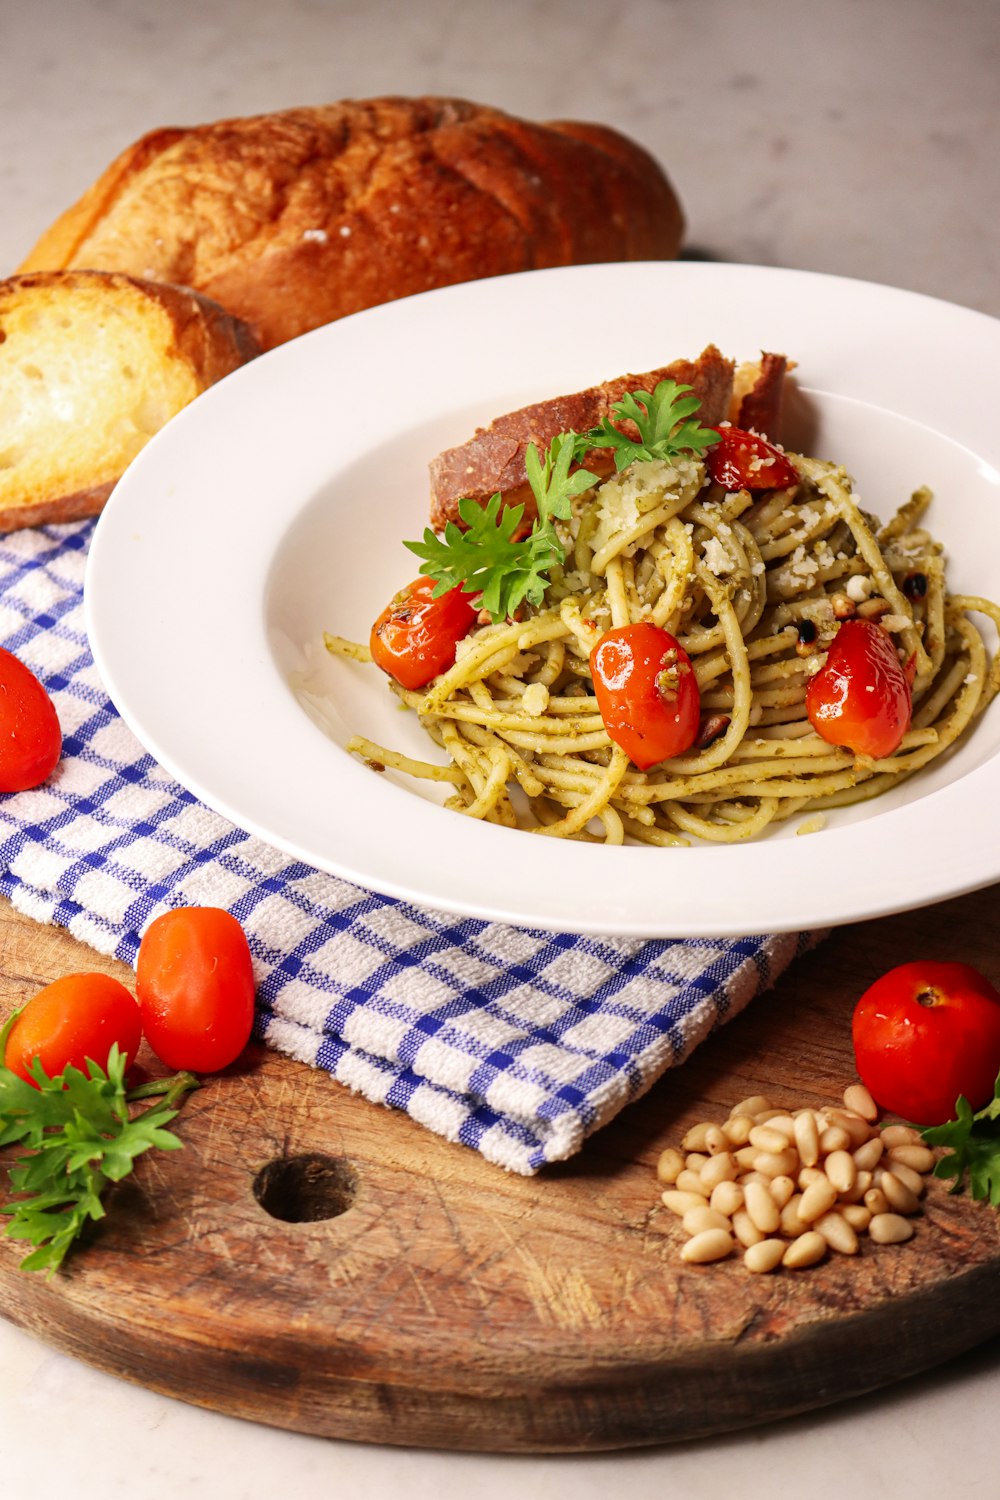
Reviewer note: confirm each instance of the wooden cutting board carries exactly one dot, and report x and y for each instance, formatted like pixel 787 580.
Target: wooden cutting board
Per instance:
pixel 441 1302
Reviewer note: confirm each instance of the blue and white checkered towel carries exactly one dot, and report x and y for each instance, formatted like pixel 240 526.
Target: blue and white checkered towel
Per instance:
pixel 517 1043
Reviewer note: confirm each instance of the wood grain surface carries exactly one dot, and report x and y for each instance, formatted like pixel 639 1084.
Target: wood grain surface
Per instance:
pixel 442 1302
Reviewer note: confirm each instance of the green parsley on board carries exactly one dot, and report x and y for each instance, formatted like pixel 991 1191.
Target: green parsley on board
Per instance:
pixel 486 555
pixel 80 1136
pixel 973 1143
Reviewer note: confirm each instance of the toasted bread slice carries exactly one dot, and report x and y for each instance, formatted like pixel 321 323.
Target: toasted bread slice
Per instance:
pixel 91 366
pixel 492 460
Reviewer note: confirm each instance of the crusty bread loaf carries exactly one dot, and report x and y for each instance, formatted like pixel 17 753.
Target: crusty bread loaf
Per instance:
pixel 493 460
pixel 291 220
pixel 91 365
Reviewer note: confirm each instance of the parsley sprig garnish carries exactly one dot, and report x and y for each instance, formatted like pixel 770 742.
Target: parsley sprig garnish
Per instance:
pixel 490 558
pixel 487 557
pixel 973 1141
pixel 662 419
pixel 79 1138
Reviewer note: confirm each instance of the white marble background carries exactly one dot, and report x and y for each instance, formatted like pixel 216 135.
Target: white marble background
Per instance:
pixel 858 137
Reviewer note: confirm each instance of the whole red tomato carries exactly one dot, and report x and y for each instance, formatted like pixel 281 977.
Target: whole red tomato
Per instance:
pixel 72 1019
pixel 194 980
pixel 861 697
pixel 925 1033
pixel 415 636
pixel 30 737
pixel 646 691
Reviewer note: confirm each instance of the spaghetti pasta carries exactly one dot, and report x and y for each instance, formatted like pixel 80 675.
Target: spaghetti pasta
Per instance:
pixel 754 588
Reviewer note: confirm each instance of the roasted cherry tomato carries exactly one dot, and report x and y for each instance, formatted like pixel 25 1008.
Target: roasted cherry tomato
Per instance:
pixel 30 737
pixel 861 697
pixel 414 638
pixel 72 1019
pixel 647 692
pixel 925 1033
pixel 745 461
pixel 194 979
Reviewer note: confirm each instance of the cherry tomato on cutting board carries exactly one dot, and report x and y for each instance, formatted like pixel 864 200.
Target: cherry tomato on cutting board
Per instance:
pixel 646 691
pixel 415 636
pixel 30 737
pixel 72 1019
pixel 194 980
pixel 925 1033
pixel 861 697
pixel 743 460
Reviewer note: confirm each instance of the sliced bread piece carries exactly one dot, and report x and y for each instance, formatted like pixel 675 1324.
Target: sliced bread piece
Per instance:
pixel 92 364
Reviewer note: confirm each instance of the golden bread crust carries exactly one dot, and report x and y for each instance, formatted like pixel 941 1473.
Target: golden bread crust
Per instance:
pixel 293 219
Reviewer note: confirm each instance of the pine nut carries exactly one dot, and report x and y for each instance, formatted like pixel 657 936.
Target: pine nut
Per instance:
pixel 868 1156
pixel 818 1198
pixel 899 1195
pixel 834 1138
pixel 679 1202
pixel 890 1229
pixel 745 1229
pixel 765 1256
pixel 727 1198
pixel 669 1165
pixel 857 1097
pixel 785 1125
pixel 711 1244
pixel 737 1129
pixel 841 1170
pixel 697 1219
pixel 746 1177
pixel 804 1251
pixel 876 1202
pixel 791 1224
pixel 862 1182
pixel 776 1163
pixel 694 1140
pixel 857 1215
pixel 745 1157
pixel 807 1138
pixel 918 1158
pixel 765 1116
pixel 781 1189
pixel 715 1140
pixel 909 1178
pixel 857 1128
pixel 752 1106
pixel 690 1182
pixel 695 1160
pixel 764 1212
pixel 900 1135
pixel 721 1168
pixel 808 1175
pixel 766 1139
pixel 838 1233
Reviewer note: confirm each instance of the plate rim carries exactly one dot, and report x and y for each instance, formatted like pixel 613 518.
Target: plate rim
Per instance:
pixel 161 458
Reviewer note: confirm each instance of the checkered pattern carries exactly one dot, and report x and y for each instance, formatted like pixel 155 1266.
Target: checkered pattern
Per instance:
pixel 516 1043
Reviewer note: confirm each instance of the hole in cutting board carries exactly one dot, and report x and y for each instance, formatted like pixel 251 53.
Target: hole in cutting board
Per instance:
pixel 305 1189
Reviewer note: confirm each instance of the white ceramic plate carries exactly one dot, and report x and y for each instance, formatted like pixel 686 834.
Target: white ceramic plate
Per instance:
pixel 273 509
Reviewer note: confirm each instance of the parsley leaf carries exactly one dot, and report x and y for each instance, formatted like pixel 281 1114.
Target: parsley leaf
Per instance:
pixel 488 557
pixel 662 420
pixel 79 1137
pixel 973 1141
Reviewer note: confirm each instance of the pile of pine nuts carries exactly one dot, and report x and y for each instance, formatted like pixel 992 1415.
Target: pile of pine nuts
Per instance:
pixel 786 1187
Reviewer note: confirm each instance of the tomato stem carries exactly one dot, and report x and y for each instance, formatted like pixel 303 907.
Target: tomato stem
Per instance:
pixel 172 1089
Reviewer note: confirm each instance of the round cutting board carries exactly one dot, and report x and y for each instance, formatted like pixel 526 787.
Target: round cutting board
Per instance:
pixel 322 1264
